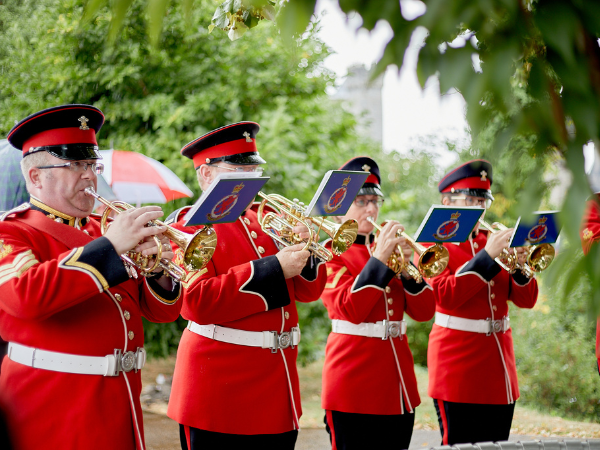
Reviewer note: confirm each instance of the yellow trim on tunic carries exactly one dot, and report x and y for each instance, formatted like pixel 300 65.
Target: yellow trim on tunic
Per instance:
pixel 73 262
pixel 336 279
pixel 191 279
pixel 17 267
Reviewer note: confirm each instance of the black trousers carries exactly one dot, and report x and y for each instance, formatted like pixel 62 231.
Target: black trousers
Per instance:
pixel 463 423
pixel 352 431
pixel 196 439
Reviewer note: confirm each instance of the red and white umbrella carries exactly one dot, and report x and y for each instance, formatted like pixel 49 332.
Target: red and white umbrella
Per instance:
pixel 137 178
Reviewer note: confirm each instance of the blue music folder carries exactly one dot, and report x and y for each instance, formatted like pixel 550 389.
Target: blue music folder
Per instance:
pixel 337 191
pixel 542 228
pixel 448 223
pixel 225 199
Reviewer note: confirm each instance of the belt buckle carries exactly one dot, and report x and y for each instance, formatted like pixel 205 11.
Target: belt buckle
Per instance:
pixel 393 330
pixel 126 362
pixel 282 341
pixel 495 326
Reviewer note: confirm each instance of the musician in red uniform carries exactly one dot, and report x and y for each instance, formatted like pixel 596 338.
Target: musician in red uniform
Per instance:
pixel 590 233
pixel 369 384
pixel 68 307
pixel 472 373
pixel 235 382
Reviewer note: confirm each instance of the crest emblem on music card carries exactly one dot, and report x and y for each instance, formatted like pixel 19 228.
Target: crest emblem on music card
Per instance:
pixel 539 231
pixel 225 205
pixel 335 200
pixel 449 228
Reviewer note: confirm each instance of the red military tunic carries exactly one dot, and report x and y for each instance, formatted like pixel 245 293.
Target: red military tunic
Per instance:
pixel 469 367
pixel 54 296
pixel 590 233
pixel 370 375
pixel 231 388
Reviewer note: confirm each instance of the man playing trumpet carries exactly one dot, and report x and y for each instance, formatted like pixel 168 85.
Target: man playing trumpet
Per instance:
pixel 369 384
pixel 235 383
pixel 472 373
pixel 68 307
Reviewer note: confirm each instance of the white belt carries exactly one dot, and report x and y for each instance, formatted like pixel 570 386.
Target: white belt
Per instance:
pixel 262 339
pixel 108 366
pixel 486 326
pixel 381 330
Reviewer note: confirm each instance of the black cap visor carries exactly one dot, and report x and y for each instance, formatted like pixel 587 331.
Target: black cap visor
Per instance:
pixel 482 193
pixel 72 152
pixel 242 159
pixel 370 189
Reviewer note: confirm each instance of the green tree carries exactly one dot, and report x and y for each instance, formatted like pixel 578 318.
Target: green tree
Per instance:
pixel 158 99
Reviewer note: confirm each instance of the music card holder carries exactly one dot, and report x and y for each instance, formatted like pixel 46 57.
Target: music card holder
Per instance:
pixel 335 194
pixel 225 199
pixel 448 223
pixel 542 228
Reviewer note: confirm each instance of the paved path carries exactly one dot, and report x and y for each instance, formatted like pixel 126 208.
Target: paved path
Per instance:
pixel 163 434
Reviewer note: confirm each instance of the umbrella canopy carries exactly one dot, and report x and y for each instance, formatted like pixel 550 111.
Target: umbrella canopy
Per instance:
pixel 12 183
pixel 137 179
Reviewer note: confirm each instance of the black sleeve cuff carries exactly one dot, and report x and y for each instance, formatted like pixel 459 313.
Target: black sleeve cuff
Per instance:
pixel 267 280
pixel 162 294
pixel 100 260
pixel 483 265
pixel 520 279
pixel 311 269
pixel 411 286
pixel 375 273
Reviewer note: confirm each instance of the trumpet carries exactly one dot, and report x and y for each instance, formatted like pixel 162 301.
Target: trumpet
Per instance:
pixel 539 256
pixel 279 225
pixel 432 260
pixel 198 248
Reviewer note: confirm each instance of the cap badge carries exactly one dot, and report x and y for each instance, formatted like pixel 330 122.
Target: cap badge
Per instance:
pixel 483 174
pixel 84 120
pixel 247 136
pixel 366 168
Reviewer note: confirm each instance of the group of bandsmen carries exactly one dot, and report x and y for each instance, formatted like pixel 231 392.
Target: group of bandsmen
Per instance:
pixel 71 311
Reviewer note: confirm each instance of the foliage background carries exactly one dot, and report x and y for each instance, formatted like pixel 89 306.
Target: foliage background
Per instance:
pixel 158 98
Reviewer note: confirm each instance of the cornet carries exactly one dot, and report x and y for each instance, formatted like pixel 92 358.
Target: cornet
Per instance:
pixel 432 260
pixel 279 225
pixel 539 256
pixel 197 248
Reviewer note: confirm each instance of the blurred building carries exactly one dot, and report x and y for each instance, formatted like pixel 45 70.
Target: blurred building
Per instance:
pixel 363 98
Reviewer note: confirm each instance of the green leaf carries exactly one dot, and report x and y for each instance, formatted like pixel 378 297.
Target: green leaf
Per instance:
pixel 119 10
pixel 91 9
pixel 156 14
pixel 220 18
pixel 294 17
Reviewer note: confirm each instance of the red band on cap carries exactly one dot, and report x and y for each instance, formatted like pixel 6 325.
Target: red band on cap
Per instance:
pixel 469 183
pixel 227 149
pixel 372 179
pixel 61 136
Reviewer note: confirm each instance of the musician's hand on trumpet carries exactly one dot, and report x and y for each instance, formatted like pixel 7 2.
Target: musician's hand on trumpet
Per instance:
pixel 130 227
pixel 292 260
pixel 388 241
pixel 522 255
pixel 497 242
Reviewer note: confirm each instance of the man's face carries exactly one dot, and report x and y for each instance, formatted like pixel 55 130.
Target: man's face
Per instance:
pixel 363 207
pixel 63 189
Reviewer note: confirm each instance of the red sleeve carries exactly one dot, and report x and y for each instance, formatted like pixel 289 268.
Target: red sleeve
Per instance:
pixel 33 289
pixel 309 285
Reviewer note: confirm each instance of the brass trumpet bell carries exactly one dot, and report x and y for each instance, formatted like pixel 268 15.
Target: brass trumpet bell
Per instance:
pixel 290 213
pixel 432 260
pixel 197 248
pixel 342 235
pixel 540 257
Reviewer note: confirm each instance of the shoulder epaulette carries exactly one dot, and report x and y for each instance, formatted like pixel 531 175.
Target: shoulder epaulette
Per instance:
pixel 16 210
pixel 176 215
